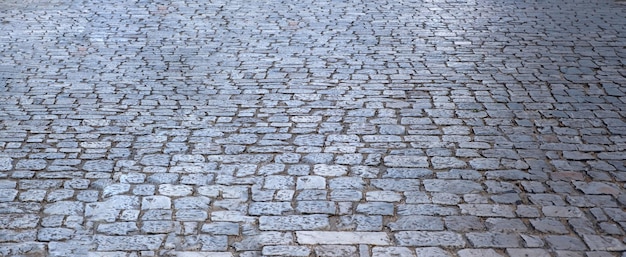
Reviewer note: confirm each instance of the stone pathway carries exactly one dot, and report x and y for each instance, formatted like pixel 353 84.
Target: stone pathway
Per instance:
pixel 245 128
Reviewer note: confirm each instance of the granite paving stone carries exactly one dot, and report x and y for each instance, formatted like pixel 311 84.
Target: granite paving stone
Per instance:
pixel 312 128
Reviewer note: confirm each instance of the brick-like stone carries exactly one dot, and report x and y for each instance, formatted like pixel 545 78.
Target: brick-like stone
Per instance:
pixel 286 250
pixel 342 238
pixel 294 222
pixel 493 239
pixel 425 238
pixel 406 161
pixel 128 243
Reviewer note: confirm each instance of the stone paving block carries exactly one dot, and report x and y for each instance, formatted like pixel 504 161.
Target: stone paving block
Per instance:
pixel 383 196
pixel 286 250
pixel 406 161
pixel 24 248
pixel 129 243
pixel 487 210
pixel 294 222
pixel 392 251
pixel 312 207
pixel 561 211
pixel 342 238
pixel 431 251
pixel 549 225
pixel 505 225
pixel 117 228
pixel 156 202
pixel 360 222
pixel 335 251
pixel 604 243
pixel 519 252
pixel 452 186
pixel 569 243
pixel 419 223
pixel 375 208
pixel 65 208
pixel 427 238
pixel 8 195
pixel 597 188
pixel 6 163
pixel 330 170
pixel 257 241
pixel 400 185
pixel 269 208
pixel 478 252
pixel 202 254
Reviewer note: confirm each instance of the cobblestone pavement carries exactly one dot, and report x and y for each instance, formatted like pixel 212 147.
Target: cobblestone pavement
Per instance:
pixel 245 128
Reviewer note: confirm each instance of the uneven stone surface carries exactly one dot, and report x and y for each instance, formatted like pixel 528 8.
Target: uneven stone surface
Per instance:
pixel 313 128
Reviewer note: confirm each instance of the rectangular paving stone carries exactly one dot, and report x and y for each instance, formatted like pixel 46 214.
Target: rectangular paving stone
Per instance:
pixel 520 252
pixel 562 211
pixel 427 209
pixel 128 243
pixel 342 238
pixel 416 223
pixel 478 252
pixel 294 222
pixel 487 210
pixel 269 208
pixel 565 242
pixel 335 251
pixel 452 186
pixel 202 254
pixel 286 250
pixel 319 207
pixel 399 161
pixel 493 239
pixel 604 243
pixel 427 238
pixel 17 236
pixel 400 185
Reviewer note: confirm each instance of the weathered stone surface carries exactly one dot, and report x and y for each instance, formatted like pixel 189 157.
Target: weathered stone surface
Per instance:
pixel 335 251
pixel 452 186
pixel 226 127
pixel 416 223
pixel 293 222
pixel 286 250
pixel 424 238
pixel 342 238
pixel 406 161
pixel 117 228
pixel 493 239
pixel 156 202
pixel 478 252
pixel 598 188
pixel 128 243
pixel 519 252
pixel 604 243
pixel 487 210
pixel 431 251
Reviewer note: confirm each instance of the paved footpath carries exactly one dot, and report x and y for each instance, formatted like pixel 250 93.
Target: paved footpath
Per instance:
pixel 412 128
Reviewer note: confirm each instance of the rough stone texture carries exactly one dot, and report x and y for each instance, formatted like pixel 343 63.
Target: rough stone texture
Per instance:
pixel 347 238
pixel 312 128
pixel 478 252
pixel 419 238
pixel 493 239
pixel 286 250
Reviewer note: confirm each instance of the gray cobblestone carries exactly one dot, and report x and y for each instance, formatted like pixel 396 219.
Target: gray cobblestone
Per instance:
pixel 419 238
pixel 294 222
pixel 493 239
